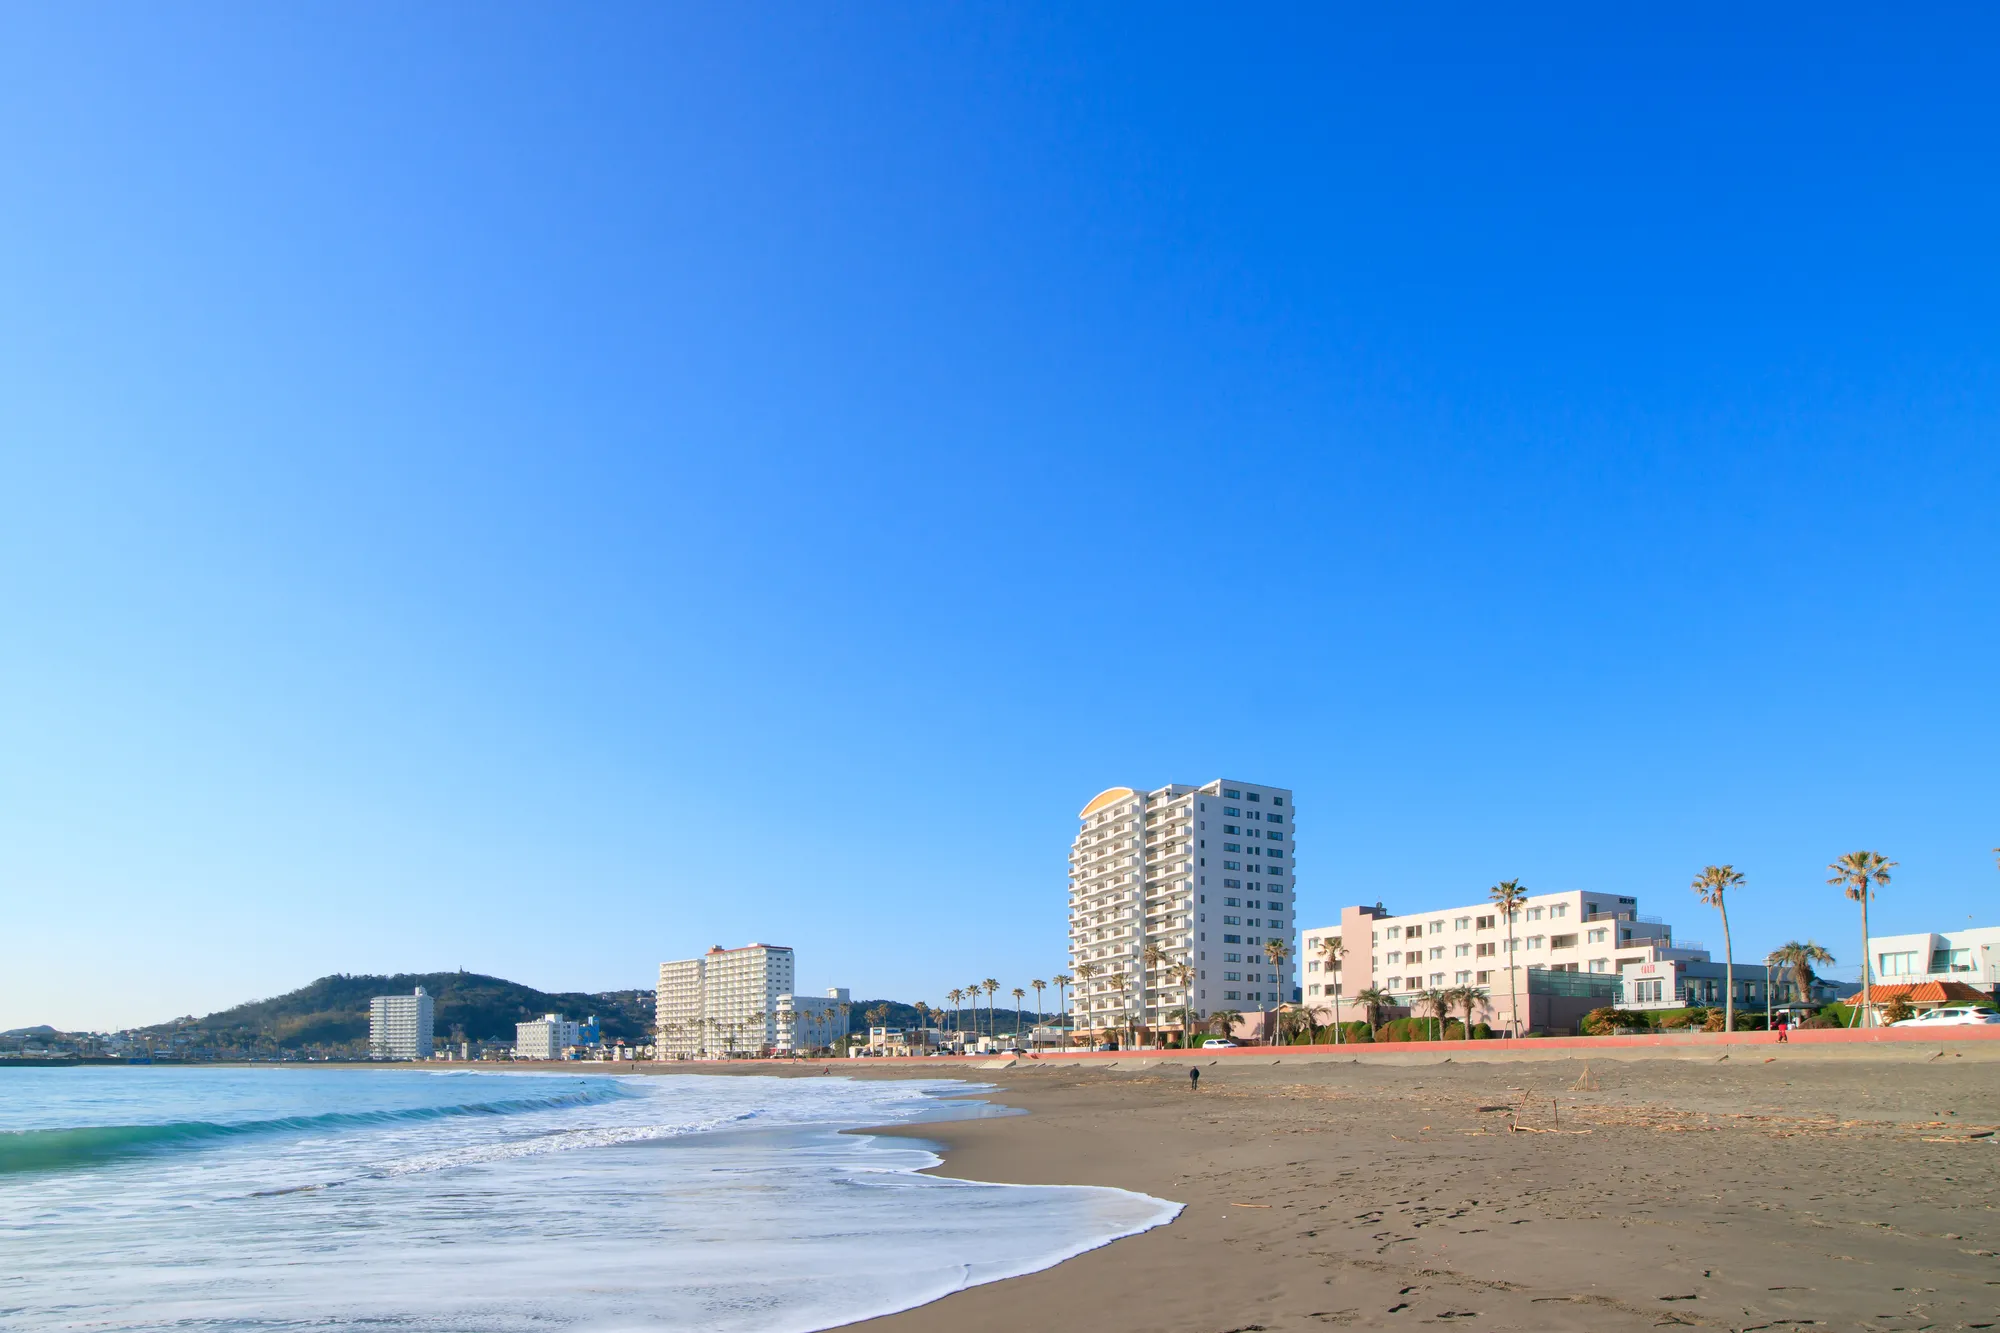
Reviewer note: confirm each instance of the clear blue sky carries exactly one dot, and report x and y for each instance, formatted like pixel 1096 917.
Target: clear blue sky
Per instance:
pixel 546 490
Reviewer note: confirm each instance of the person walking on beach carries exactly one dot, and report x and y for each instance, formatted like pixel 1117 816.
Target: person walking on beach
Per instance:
pixel 1194 1080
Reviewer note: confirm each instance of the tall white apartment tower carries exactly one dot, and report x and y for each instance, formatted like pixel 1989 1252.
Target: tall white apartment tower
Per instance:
pixel 400 1026
pixel 1174 896
pixel 724 1002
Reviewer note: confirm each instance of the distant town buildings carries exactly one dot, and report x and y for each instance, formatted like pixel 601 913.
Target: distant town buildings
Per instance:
pixel 399 1026
pixel 552 1037
pixel 1174 897
pixel 740 1002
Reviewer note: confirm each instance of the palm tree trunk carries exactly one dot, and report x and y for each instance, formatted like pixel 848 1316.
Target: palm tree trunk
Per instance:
pixel 1513 983
pixel 1867 1011
pixel 1728 971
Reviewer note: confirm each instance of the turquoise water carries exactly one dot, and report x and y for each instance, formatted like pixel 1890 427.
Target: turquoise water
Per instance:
pixel 136 1198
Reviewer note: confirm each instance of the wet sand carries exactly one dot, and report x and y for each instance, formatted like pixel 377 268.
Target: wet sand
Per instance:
pixel 1774 1189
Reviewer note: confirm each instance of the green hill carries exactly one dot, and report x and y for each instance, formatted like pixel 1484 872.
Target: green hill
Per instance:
pixel 334 1010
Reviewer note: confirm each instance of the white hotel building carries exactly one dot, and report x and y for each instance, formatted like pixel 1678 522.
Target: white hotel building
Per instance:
pixel 740 1002
pixel 1199 879
pixel 400 1026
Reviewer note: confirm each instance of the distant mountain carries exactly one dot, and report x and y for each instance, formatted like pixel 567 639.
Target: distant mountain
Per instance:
pixel 334 1010
pixel 39 1030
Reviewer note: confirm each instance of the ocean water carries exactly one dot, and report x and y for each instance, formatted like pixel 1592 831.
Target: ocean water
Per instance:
pixel 397 1199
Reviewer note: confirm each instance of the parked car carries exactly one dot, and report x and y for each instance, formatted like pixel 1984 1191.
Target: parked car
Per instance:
pixel 1218 1044
pixel 1953 1016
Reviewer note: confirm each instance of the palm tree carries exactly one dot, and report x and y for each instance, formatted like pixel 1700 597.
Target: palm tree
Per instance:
pixel 1710 886
pixel 1439 1003
pixel 1224 1021
pixel 1187 1019
pixel 1858 874
pixel 1120 983
pixel 1182 975
pixel 1086 972
pixel 1151 957
pixel 1800 959
pixel 1330 950
pixel 1019 995
pixel 955 995
pixel 1039 986
pixel 972 993
pixel 1466 998
pixel 1508 895
pixel 1373 1001
pixel 992 1024
pixel 1061 981
pixel 1275 950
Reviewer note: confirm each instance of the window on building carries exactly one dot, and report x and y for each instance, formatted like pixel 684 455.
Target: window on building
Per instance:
pixel 1559 910
pixel 1277 800
pixel 1460 978
pixel 1232 939
pixel 1534 914
pixel 1481 978
pixel 1562 941
pixel 1461 951
pixel 1461 923
pixel 1597 936
pixel 1896 964
pixel 1437 978
pixel 1413 932
pixel 1484 950
pixel 1484 923
pixel 1437 951
pixel 1395 957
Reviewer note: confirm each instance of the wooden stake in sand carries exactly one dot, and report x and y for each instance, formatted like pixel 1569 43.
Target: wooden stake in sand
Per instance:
pixel 1587 1082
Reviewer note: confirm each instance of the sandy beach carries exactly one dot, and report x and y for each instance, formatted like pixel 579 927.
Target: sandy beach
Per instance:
pixel 1842 1189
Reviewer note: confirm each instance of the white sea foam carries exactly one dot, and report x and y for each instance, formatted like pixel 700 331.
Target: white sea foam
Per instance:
pixel 687 1203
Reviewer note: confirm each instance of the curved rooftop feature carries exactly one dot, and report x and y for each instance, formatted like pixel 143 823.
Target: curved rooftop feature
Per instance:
pixel 1109 796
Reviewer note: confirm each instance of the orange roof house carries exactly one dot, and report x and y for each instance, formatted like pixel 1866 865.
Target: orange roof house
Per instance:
pixel 1918 993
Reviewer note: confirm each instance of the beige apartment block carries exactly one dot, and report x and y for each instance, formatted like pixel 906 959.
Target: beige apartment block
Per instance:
pixel 1174 893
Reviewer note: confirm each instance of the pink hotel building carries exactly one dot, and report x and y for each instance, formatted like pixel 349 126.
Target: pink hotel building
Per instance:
pixel 1593 935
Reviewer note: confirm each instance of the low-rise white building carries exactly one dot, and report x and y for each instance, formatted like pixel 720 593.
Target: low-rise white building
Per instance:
pixel 812 1022
pixel 400 1026
pixel 551 1037
pixel 1971 956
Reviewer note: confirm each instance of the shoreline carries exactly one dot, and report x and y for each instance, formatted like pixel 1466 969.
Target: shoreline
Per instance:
pixel 1544 1194
pixel 1780 1186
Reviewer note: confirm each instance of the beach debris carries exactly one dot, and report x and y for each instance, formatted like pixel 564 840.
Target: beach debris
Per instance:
pixel 1249 1205
pixel 1586 1082
pixel 1493 1108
